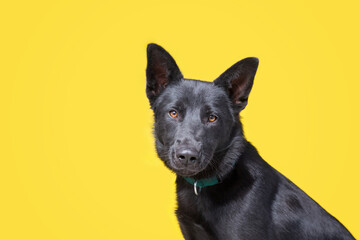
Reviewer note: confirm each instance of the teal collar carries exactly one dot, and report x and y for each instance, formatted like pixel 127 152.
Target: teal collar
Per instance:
pixel 205 182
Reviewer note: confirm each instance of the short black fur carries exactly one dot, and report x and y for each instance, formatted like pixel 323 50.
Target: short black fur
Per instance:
pixel 199 135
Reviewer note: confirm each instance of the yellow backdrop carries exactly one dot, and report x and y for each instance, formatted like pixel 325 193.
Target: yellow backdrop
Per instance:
pixel 77 159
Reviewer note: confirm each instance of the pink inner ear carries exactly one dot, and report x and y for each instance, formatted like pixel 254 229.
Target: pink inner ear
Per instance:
pixel 237 90
pixel 161 82
pixel 238 102
pixel 161 77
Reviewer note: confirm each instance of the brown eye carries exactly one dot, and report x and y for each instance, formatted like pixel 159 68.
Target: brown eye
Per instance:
pixel 212 118
pixel 173 114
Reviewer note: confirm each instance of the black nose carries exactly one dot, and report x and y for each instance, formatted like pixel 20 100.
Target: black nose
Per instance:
pixel 187 155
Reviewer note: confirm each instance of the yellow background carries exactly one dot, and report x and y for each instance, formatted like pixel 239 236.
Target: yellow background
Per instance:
pixel 77 159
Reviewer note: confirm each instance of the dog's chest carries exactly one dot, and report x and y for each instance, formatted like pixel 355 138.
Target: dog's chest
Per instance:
pixel 204 217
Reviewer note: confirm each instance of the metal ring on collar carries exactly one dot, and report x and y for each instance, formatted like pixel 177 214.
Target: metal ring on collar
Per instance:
pixel 195 188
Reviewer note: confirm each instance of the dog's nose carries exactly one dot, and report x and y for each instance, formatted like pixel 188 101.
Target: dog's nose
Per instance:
pixel 187 155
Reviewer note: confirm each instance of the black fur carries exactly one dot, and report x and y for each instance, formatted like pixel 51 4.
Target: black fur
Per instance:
pixel 253 200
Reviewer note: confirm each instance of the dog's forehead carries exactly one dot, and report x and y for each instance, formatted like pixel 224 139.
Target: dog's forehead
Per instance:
pixel 195 92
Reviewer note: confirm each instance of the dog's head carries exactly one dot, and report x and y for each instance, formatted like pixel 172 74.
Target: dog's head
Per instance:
pixel 196 122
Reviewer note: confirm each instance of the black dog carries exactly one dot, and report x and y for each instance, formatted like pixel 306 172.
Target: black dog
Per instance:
pixel 225 190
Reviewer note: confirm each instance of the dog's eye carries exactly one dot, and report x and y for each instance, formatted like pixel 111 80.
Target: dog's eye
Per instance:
pixel 212 118
pixel 173 114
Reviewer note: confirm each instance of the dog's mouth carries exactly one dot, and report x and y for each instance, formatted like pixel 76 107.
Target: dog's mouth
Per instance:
pixel 185 172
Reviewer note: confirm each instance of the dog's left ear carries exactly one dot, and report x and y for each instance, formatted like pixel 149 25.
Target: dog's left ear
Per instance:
pixel 238 81
pixel 160 72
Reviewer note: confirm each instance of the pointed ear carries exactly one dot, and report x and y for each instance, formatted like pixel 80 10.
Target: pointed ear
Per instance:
pixel 161 71
pixel 238 81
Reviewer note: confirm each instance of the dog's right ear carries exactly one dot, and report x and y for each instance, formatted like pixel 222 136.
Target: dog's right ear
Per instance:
pixel 160 72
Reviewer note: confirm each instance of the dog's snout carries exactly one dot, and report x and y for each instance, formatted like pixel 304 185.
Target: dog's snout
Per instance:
pixel 187 155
